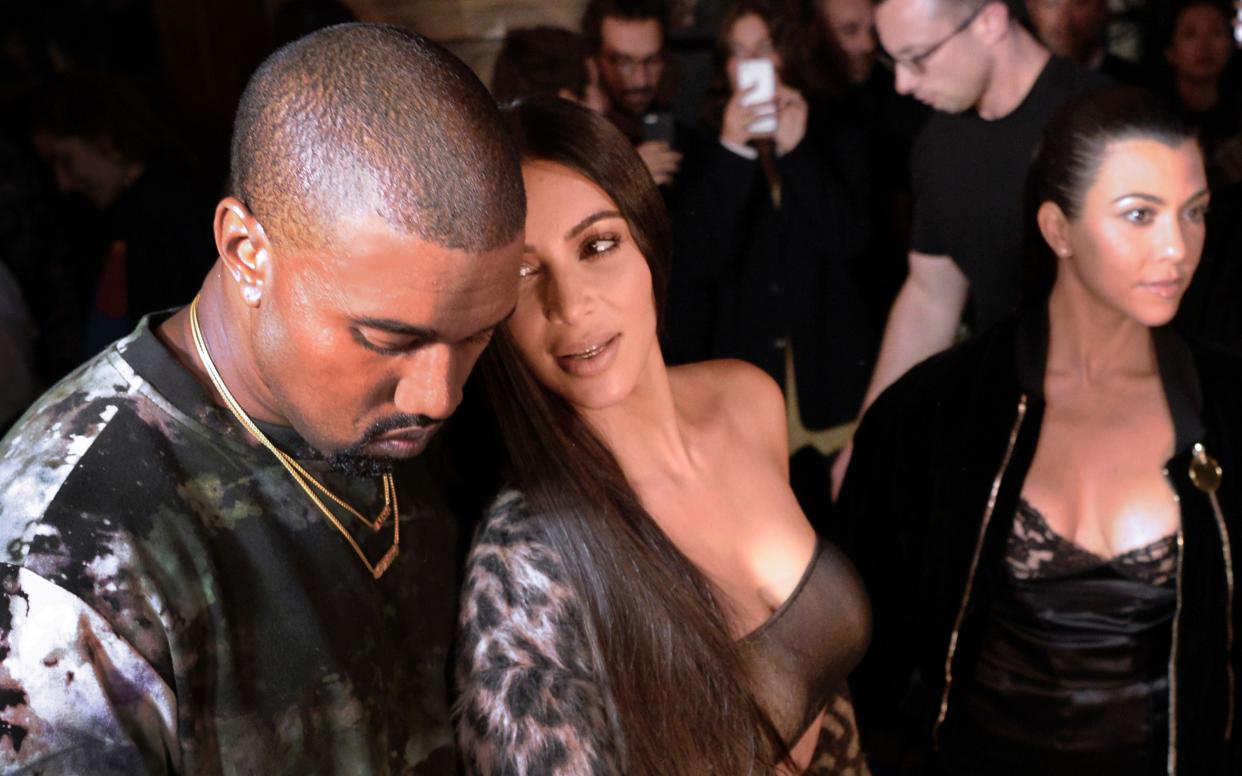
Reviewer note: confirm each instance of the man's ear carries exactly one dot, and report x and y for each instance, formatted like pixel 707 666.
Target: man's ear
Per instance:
pixel 993 21
pixel 244 248
pixel 1054 226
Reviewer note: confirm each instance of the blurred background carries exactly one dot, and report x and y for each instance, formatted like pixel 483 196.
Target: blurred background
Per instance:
pixel 115 118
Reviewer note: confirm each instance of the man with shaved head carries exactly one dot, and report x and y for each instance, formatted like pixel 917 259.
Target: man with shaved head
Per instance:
pixel 221 553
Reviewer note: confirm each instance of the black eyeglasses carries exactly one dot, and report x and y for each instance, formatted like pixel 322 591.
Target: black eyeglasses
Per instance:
pixel 631 65
pixel 917 63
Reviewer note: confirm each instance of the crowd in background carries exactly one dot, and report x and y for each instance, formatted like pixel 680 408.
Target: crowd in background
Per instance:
pixel 790 245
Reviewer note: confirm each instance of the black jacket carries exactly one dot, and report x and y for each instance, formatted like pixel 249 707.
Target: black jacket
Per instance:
pixel 749 278
pixel 938 467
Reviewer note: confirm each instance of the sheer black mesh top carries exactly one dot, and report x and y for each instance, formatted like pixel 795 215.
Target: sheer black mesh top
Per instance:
pixel 800 656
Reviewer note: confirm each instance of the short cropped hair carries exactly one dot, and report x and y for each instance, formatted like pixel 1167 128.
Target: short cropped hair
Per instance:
pixel 953 8
pixel 539 62
pixel 631 10
pixel 364 118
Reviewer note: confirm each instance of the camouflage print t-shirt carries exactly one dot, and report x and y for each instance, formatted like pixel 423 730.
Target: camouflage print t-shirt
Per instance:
pixel 173 602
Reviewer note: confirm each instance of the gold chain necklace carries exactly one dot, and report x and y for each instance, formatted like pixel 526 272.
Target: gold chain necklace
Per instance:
pixel 299 474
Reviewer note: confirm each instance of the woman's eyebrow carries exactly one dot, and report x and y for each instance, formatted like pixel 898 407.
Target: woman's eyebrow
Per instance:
pixel 584 223
pixel 1140 195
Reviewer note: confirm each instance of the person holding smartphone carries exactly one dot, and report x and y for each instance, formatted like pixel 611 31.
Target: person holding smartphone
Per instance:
pixel 767 221
pixel 753 113
pixel 627 43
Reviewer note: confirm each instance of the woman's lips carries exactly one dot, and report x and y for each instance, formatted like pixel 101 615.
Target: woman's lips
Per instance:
pixel 1165 289
pixel 589 359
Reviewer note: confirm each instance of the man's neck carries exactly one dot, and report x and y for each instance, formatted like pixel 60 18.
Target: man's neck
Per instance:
pixel 1019 61
pixel 227 349
pixel 631 125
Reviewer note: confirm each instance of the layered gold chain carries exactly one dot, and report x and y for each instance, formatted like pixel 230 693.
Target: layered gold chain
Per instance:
pixel 299 474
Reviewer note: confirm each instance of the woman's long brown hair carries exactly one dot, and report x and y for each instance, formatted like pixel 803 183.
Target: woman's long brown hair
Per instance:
pixel 796 31
pixel 677 696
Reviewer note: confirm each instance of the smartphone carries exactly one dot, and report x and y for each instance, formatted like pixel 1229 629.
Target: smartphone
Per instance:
pixel 759 77
pixel 658 126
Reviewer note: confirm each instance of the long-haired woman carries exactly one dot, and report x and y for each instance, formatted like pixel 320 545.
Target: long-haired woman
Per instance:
pixel 771 224
pixel 1047 517
pixel 649 598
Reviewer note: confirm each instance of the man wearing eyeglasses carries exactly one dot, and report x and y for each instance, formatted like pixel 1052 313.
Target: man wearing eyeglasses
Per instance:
pixel 627 41
pixel 994 87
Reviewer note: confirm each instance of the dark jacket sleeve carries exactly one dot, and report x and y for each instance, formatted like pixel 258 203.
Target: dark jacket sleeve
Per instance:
pixel 731 246
pixel 709 210
pixel 881 524
pixel 720 192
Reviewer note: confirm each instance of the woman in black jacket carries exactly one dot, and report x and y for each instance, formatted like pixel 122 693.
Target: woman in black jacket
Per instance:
pixel 1043 516
pixel 767 225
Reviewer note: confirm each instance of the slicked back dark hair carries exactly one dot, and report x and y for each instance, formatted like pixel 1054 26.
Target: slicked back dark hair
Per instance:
pixel 1068 160
pixel 631 10
pixel 366 118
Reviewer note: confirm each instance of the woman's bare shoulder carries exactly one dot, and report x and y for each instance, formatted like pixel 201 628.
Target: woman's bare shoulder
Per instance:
pixel 733 396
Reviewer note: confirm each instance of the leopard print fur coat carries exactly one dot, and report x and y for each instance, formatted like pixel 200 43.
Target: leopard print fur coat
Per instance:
pixel 528 700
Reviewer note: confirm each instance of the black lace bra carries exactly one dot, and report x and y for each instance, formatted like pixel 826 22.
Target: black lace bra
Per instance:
pixel 1035 551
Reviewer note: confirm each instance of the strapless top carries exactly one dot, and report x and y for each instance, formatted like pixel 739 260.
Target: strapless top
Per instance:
pixel 801 655
pixel 1072 673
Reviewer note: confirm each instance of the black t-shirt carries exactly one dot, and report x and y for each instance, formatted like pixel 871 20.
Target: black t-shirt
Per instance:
pixel 968 176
